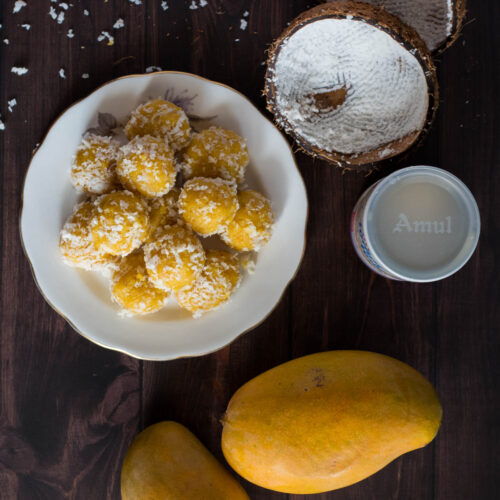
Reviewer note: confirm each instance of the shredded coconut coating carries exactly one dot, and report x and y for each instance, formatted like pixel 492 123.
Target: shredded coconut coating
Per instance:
pixel 175 258
pixel 160 118
pixel 163 211
pixel 121 223
pixel 146 165
pixel 208 205
pixel 75 242
pixel 218 281
pixel 93 166
pixel 216 152
pixel 252 225
pixel 378 88
pixel 133 290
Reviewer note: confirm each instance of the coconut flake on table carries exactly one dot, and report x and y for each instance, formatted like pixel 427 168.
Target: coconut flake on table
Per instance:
pixel 152 69
pixel 384 89
pixel 119 24
pixel 11 104
pixel 85 76
pixel 18 6
pixel 86 12
pixel 64 5
pixel 6 41
pixel 18 70
pixel 243 24
pixel 246 13
pixel 105 35
pixel 432 19
pixel 27 27
pixel 164 5
pixel 62 74
pixel 135 2
pixel 2 125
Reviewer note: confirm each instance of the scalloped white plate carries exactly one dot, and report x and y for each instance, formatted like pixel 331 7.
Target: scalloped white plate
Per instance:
pixel 83 297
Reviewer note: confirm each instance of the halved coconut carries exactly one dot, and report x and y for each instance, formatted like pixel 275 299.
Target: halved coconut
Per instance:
pixel 438 22
pixel 351 83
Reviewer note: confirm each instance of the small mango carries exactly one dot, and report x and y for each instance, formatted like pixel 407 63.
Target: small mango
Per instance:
pixel 166 461
pixel 328 420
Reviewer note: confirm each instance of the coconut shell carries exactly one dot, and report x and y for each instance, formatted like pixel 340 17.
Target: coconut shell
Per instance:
pixel 406 36
pixel 419 21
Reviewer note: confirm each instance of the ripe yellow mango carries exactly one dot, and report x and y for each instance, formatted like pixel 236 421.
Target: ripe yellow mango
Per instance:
pixel 327 420
pixel 167 462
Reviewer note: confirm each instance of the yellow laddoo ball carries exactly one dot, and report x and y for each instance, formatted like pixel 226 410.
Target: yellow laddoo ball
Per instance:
pixel 216 152
pixel 146 165
pixel 175 258
pixel 76 244
pixel 217 282
pixel 160 118
pixel 93 166
pixel 133 290
pixel 252 225
pixel 208 205
pixel 121 223
pixel 163 211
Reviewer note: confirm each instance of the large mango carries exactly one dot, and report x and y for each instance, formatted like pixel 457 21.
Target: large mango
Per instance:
pixel 327 420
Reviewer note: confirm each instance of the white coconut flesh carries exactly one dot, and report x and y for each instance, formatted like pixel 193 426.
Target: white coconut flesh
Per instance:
pixel 432 19
pixel 346 86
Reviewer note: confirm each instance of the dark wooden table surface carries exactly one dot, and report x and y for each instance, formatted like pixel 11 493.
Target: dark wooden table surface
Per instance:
pixel 69 409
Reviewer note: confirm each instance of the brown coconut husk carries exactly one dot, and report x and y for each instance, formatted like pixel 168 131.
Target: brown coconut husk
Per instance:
pixel 392 25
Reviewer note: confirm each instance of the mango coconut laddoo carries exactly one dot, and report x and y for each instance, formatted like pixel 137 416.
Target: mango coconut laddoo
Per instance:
pixel 76 244
pixel 162 119
pixel 92 170
pixel 146 165
pixel 252 225
pixel 175 258
pixel 121 223
pixel 218 280
pixel 133 290
pixel 216 152
pixel 207 204
pixel 163 211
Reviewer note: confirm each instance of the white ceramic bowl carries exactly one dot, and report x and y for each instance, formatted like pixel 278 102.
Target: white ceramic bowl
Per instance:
pixel 83 297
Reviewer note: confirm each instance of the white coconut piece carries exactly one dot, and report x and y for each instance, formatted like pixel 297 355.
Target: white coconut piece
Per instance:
pixel 351 83
pixel 436 21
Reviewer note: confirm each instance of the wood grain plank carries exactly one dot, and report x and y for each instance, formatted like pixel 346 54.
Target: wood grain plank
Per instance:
pixel 68 408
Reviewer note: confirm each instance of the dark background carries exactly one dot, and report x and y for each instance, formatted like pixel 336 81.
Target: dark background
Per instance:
pixel 69 409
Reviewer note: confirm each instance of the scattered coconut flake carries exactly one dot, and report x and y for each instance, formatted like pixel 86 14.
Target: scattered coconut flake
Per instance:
pixel 136 2
pixel 85 76
pixel 119 24
pixel 203 3
pixel 18 6
pixel 62 74
pixel 60 17
pixel 6 41
pixel 26 26
pixel 1 26
pixel 53 13
pixel 86 12
pixel 105 35
pixel 164 5
pixel 64 5
pixel 236 39
pixel 193 5
pixel 11 104
pixel 19 70
pixel 2 126
pixel 243 24
pixel 152 69
pixel 70 33
pixel 246 13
